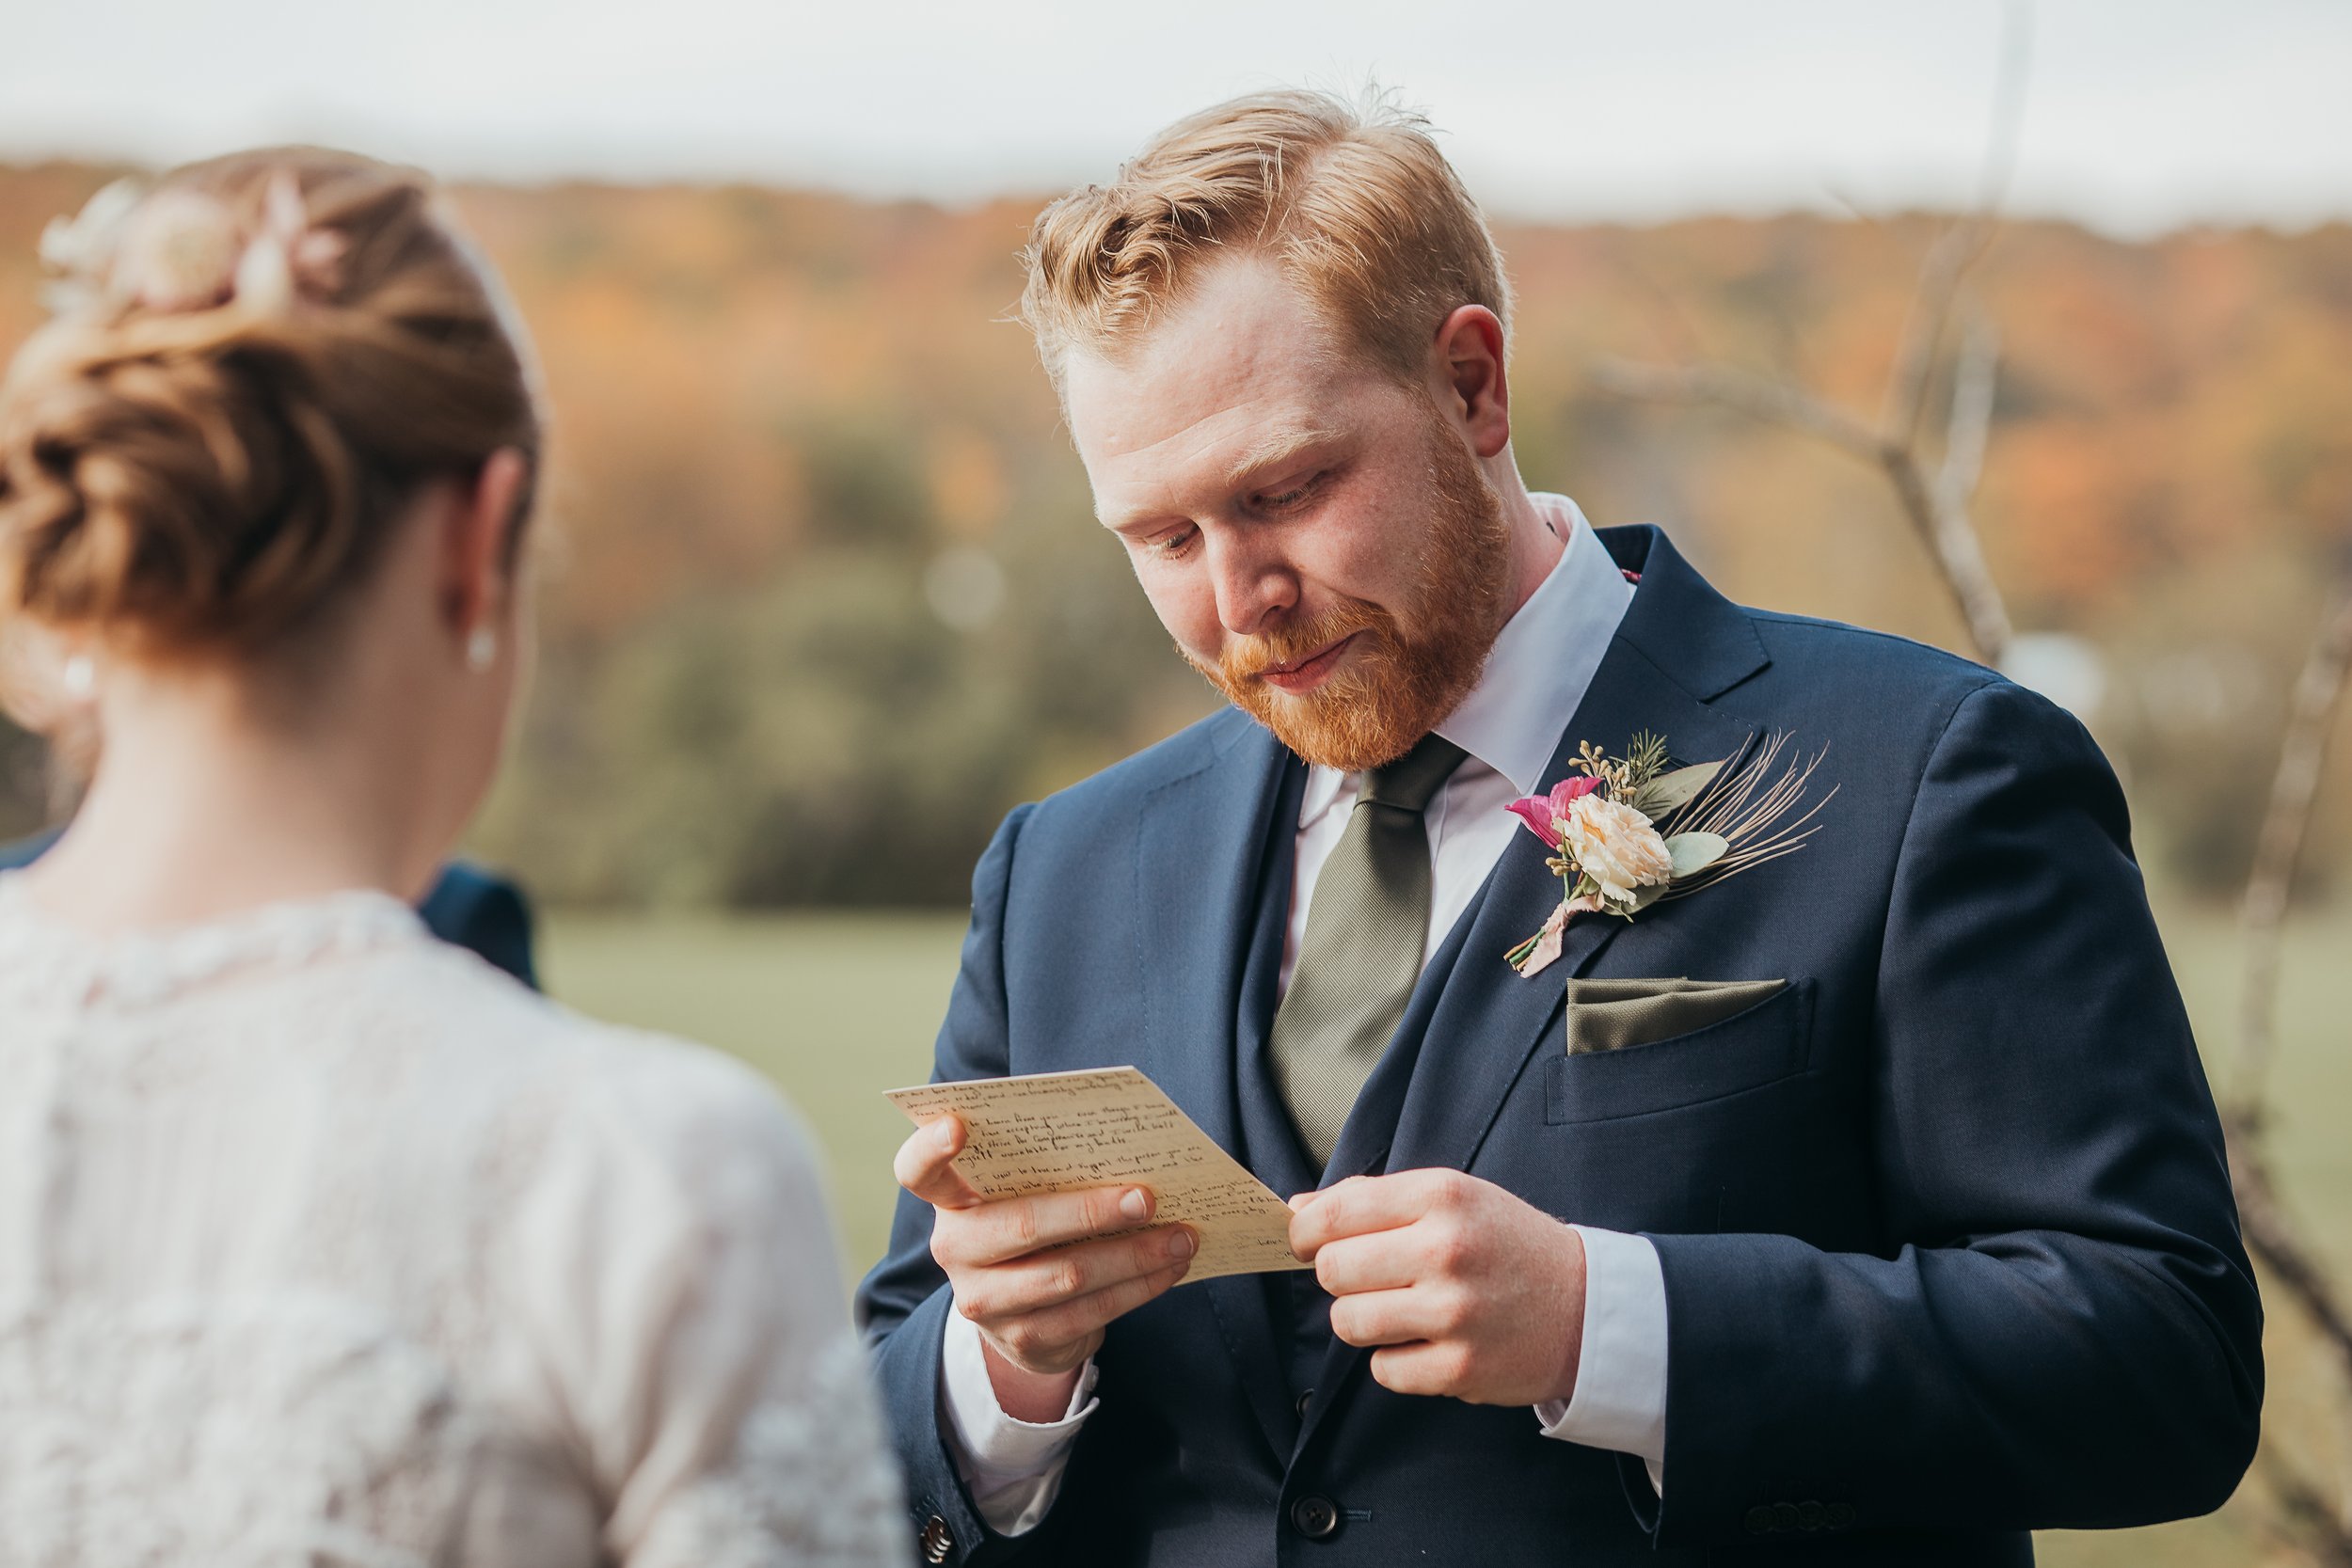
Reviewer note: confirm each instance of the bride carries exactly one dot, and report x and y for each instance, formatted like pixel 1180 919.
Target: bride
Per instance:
pixel 321 1241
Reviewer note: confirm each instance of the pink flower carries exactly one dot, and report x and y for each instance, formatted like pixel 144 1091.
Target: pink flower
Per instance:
pixel 1547 815
pixel 287 259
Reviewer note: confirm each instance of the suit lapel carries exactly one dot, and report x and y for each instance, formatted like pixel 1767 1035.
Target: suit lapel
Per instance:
pixel 1211 860
pixel 1275 1153
pixel 1200 850
pixel 1480 1024
pixel 1679 645
pixel 1490 1019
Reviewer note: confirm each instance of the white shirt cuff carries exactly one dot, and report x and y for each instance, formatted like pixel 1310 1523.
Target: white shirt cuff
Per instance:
pixel 1012 1468
pixel 1619 1401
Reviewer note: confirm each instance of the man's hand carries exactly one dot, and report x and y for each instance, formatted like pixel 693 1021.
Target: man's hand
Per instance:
pixel 1468 1290
pixel 1040 1313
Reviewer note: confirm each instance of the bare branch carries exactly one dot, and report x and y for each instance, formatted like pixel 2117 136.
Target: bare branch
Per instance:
pixel 1937 515
pixel 2305 1516
pixel 1723 386
pixel 1960 244
pixel 1955 250
pixel 2008 116
pixel 1951 540
pixel 1937 509
pixel 2319 695
pixel 1973 380
pixel 2299 1517
pixel 2270 1235
pixel 1937 505
pixel 2306 1519
pixel 2343 1471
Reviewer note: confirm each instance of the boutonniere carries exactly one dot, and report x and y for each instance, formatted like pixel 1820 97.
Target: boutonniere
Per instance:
pixel 1627 831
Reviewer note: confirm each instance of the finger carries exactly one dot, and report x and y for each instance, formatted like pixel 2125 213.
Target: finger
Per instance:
pixel 1426 1368
pixel 1019 1225
pixel 1049 1280
pixel 1039 1333
pixel 1300 1203
pixel 1383 1318
pixel 925 1164
pixel 1356 1206
pixel 1384 1260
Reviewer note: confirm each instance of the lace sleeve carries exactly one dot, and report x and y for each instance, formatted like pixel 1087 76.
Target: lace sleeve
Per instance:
pixel 691 1312
pixel 806 1482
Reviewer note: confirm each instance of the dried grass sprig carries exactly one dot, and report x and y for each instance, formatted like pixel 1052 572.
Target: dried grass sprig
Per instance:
pixel 1745 807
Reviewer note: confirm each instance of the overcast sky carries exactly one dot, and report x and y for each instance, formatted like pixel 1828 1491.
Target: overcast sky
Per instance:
pixel 2140 114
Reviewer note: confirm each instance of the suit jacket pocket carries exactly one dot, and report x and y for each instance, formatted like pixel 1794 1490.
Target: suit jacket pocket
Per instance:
pixel 1609 1015
pixel 1769 1041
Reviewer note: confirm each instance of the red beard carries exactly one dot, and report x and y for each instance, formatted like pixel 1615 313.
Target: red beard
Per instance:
pixel 1409 669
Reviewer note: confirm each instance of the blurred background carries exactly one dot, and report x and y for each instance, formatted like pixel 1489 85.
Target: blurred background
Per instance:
pixel 824 594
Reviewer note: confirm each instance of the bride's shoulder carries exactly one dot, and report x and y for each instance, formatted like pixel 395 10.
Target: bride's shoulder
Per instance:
pixel 629 1104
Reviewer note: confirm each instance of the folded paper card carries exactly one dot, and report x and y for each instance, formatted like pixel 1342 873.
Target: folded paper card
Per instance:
pixel 1105 1127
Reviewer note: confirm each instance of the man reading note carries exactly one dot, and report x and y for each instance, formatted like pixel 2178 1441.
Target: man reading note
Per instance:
pixel 1738 1103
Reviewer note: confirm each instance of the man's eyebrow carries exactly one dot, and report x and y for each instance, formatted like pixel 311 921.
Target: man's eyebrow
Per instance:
pixel 1276 446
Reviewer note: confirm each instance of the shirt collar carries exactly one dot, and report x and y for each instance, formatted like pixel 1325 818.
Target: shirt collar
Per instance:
pixel 1545 657
pixel 1539 670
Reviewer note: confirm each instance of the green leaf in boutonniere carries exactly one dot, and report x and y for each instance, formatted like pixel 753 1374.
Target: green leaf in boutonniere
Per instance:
pixel 1695 853
pixel 1643 898
pixel 1670 792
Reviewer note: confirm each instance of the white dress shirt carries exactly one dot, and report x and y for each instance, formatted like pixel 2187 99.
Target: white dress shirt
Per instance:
pixel 1509 725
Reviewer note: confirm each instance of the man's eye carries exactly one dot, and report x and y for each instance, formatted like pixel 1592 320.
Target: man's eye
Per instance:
pixel 1275 501
pixel 1170 546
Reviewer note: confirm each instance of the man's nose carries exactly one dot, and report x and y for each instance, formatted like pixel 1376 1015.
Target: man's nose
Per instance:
pixel 1254 584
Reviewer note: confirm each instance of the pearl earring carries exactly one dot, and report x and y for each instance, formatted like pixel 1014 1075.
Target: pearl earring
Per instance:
pixel 482 649
pixel 79 676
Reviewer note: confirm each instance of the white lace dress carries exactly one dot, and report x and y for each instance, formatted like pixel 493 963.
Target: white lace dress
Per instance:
pixel 323 1243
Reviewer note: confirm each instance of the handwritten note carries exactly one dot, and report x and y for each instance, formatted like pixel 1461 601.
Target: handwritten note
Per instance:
pixel 1101 1127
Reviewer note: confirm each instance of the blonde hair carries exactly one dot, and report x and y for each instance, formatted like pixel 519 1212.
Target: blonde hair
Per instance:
pixel 258 363
pixel 1353 201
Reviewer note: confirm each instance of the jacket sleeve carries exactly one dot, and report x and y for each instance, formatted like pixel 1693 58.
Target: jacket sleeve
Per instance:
pixel 902 1305
pixel 2060 1328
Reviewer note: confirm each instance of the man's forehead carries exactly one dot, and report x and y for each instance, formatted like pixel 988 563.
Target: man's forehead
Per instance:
pixel 1243 347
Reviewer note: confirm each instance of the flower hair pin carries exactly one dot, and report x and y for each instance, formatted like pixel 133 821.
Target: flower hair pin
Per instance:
pixel 174 250
pixel 1627 831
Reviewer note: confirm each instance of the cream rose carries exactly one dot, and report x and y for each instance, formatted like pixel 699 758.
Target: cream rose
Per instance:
pixel 1614 845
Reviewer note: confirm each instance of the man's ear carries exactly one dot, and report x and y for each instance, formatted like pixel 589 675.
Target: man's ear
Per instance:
pixel 477 560
pixel 1469 365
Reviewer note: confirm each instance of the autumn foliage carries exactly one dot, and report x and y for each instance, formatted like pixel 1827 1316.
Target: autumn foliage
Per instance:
pixel 824 595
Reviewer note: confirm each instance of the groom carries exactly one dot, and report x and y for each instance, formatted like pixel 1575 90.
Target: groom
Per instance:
pixel 1869 1201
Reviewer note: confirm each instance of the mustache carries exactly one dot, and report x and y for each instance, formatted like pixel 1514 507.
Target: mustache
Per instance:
pixel 1247 658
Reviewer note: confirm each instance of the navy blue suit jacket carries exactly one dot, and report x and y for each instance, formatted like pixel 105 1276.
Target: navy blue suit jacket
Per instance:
pixel 1948 1243
pixel 467 906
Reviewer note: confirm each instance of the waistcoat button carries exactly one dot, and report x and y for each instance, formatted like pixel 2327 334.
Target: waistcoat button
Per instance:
pixel 1314 1517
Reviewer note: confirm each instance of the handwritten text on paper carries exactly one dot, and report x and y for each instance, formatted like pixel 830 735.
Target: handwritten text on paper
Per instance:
pixel 1101 1127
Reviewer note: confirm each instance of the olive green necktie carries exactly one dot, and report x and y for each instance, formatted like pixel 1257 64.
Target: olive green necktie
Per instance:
pixel 1367 927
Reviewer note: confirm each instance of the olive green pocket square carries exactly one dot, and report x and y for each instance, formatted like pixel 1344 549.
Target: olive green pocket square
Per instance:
pixel 1610 1015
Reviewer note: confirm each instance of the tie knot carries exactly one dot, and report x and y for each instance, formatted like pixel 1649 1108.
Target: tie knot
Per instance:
pixel 1407 782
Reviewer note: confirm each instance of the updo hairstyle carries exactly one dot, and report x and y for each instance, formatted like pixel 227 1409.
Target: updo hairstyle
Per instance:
pixel 254 366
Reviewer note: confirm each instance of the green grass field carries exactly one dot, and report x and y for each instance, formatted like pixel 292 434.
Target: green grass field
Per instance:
pixel 837 1007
